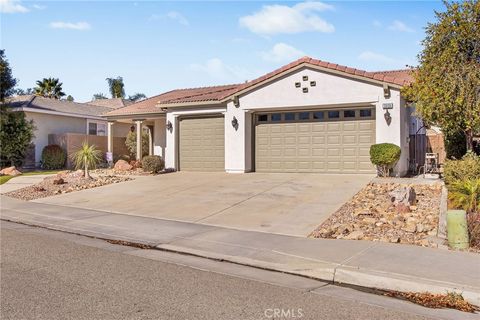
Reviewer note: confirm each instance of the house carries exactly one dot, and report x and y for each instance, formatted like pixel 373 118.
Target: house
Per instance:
pixel 307 116
pixel 56 117
pixel 113 103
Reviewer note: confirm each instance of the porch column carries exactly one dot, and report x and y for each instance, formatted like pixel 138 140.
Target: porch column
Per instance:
pixel 110 136
pixel 138 124
pixel 150 142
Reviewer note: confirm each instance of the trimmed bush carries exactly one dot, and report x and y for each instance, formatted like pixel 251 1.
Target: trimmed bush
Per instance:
pixel 53 157
pixel 384 156
pixel 465 169
pixel 465 194
pixel 153 164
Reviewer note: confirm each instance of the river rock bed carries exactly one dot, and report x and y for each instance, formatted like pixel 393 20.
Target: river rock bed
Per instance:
pixel 371 215
pixel 64 182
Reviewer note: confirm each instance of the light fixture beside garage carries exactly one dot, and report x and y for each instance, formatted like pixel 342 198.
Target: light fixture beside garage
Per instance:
pixel 235 123
pixel 236 101
pixel 169 126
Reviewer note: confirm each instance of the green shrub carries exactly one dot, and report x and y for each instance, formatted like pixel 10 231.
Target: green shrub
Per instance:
pixel 465 194
pixel 153 164
pixel 53 157
pixel 131 143
pixel 455 144
pixel 384 156
pixel 466 168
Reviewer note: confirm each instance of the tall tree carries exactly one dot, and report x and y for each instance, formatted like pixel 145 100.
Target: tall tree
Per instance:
pixel 116 87
pixel 99 96
pixel 446 87
pixel 137 97
pixel 7 81
pixel 16 131
pixel 23 92
pixel 49 88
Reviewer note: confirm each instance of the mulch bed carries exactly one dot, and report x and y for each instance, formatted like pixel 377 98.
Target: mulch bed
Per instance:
pixel 64 182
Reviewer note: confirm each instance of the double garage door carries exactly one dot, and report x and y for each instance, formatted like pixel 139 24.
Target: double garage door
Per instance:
pixel 331 141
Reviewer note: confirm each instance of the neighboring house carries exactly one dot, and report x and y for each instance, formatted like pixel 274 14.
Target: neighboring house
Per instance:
pixel 55 117
pixel 308 116
pixel 113 103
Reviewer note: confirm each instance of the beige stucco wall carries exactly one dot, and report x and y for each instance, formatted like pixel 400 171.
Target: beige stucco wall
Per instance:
pixel 52 124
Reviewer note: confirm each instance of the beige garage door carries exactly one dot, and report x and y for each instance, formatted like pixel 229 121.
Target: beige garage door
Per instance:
pixel 333 141
pixel 202 144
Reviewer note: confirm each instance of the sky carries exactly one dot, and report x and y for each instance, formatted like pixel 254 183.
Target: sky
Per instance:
pixel 158 46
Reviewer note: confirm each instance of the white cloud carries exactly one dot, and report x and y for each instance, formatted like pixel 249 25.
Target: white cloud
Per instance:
pixel 12 6
pixel 375 57
pixel 70 25
pixel 39 7
pixel 217 69
pixel 274 19
pixel 282 52
pixel 177 16
pixel 398 25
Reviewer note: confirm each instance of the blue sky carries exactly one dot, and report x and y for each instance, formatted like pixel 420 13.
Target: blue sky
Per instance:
pixel 158 46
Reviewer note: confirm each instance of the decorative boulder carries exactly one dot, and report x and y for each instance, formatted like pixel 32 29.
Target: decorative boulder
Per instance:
pixel 122 165
pixel 10 171
pixel 58 181
pixel 403 195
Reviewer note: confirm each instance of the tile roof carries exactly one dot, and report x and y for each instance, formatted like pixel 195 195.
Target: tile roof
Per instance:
pixel 63 106
pixel 113 103
pixel 218 93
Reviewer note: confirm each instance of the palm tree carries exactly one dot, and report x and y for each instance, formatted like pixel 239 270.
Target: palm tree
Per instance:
pixel 87 157
pixel 49 88
pixel 116 87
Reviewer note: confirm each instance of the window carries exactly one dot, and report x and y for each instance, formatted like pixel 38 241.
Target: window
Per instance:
pixel 290 116
pixel 365 113
pixel 97 128
pixel 304 115
pixel 349 114
pixel 276 116
pixel 262 118
pixel 333 114
pixel 318 115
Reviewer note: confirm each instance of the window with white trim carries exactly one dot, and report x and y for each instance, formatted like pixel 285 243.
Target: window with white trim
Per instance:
pixel 96 128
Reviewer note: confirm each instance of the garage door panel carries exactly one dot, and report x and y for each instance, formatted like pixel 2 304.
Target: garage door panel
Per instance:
pixel 202 144
pixel 315 145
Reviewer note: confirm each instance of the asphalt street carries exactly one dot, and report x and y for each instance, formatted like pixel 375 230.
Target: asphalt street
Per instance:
pixel 53 275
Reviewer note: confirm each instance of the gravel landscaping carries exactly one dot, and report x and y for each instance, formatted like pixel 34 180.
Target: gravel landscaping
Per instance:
pixel 373 215
pixel 64 182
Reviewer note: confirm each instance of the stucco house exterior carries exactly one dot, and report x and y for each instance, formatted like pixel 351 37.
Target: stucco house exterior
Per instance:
pixel 55 117
pixel 307 116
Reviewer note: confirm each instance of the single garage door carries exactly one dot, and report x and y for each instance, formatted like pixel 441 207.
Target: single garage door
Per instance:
pixel 202 144
pixel 332 141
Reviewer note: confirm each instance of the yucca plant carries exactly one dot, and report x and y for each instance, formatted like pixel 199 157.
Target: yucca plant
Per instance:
pixel 87 157
pixel 465 194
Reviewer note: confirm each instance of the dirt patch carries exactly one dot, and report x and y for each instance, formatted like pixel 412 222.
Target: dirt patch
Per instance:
pixel 450 300
pixel 371 215
pixel 64 182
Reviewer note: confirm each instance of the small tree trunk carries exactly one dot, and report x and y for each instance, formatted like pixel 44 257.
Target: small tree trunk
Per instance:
pixel 86 170
pixel 469 139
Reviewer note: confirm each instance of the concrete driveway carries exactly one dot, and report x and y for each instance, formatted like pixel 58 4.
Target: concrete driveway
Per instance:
pixel 292 204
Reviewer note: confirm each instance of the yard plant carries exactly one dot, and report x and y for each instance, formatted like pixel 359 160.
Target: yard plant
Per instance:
pixel 466 168
pixel 87 157
pixel 53 157
pixel 131 143
pixel 384 156
pixel 153 164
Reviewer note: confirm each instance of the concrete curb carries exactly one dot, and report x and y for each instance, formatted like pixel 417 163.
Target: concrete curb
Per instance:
pixel 442 218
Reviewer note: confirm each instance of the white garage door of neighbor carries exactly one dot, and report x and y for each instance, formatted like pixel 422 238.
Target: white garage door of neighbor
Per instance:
pixel 331 141
pixel 202 144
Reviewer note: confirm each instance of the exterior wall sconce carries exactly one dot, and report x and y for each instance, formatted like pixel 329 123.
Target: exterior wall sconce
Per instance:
pixel 386 90
pixel 235 123
pixel 169 126
pixel 388 117
pixel 236 101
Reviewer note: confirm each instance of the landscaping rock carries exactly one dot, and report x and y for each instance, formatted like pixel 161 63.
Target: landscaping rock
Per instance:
pixel 10 171
pixel 404 195
pixel 355 235
pixel 122 165
pixel 58 181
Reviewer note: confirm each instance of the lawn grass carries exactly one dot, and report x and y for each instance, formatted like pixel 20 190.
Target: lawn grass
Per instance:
pixel 4 179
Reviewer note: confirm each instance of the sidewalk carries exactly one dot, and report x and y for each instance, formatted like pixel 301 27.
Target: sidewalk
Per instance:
pixel 22 182
pixel 362 263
